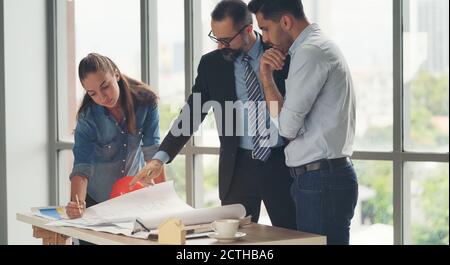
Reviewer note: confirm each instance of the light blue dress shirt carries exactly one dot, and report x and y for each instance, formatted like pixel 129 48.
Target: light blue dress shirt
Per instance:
pixel 318 114
pixel 255 53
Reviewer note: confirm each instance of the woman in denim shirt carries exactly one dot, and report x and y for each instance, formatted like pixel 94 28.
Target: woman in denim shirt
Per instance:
pixel 117 131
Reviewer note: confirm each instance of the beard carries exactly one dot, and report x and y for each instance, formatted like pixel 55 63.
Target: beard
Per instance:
pixel 230 55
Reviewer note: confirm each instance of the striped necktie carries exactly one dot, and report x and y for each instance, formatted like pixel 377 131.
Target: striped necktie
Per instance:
pixel 256 115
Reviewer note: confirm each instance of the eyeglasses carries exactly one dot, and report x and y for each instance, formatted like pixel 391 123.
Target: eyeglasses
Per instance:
pixel 225 41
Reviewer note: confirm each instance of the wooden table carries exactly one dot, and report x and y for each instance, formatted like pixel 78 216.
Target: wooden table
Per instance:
pixel 257 234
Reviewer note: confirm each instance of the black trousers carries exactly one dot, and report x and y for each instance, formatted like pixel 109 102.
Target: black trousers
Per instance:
pixel 255 181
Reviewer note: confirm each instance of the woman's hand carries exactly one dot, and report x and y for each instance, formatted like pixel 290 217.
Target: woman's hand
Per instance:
pixel 74 211
pixel 78 194
pixel 148 173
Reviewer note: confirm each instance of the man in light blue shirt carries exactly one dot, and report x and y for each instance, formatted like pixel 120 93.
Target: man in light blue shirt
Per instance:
pixel 317 116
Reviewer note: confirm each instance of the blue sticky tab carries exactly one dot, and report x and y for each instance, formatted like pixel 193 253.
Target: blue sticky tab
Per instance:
pixel 51 213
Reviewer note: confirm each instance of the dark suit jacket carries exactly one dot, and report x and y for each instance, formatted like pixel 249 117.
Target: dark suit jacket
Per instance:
pixel 216 82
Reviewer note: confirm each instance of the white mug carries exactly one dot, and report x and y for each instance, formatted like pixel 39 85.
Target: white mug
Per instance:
pixel 226 227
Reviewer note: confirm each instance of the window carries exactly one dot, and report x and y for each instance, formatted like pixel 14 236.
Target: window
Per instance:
pixel 373 221
pixel 428 207
pixel 426 71
pixel 426 120
pixel 90 28
pixel 365 38
pixel 176 171
pixel 169 70
pixel 65 158
pixel 397 52
pixel 170 61
pixel 207 136
pixel 86 26
pixel 210 170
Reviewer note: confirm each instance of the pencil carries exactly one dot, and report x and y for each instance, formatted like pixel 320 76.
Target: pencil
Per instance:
pixel 78 204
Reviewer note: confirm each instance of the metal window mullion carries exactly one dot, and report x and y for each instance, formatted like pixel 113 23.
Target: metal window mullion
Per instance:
pixel 149 43
pixel 198 180
pixel 373 156
pixel 3 181
pixel 190 188
pixel 425 157
pixel 145 40
pixel 390 156
pixel 60 146
pixel 400 211
pixel 197 150
pixel 188 63
pixel 52 44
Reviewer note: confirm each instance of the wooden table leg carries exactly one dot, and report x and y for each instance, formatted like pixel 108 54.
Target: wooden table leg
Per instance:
pixel 51 238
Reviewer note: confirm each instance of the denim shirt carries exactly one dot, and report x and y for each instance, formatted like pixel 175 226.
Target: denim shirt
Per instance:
pixel 104 150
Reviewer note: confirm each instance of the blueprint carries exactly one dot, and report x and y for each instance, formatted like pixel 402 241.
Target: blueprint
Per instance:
pixel 139 213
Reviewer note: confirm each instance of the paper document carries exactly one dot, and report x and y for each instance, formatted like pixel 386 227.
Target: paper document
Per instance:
pixel 50 212
pixel 133 213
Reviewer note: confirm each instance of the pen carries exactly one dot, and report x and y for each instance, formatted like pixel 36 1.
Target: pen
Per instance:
pixel 78 203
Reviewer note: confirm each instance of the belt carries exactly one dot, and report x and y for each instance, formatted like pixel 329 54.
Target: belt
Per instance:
pixel 249 153
pixel 321 164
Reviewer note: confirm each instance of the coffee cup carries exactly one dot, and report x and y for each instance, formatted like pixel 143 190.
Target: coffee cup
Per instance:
pixel 226 227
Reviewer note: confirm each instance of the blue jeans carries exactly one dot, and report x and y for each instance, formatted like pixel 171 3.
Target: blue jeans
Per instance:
pixel 325 201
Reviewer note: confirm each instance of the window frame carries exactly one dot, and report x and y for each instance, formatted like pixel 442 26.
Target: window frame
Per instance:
pixel 3 180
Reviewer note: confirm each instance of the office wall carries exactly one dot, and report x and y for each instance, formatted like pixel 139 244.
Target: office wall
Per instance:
pixel 26 112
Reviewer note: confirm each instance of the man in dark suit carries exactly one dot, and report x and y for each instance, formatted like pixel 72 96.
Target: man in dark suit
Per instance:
pixel 250 170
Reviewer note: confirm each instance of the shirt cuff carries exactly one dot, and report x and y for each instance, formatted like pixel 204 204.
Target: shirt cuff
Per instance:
pixel 275 121
pixel 149 151
pixel 162 156
pixel 84 170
